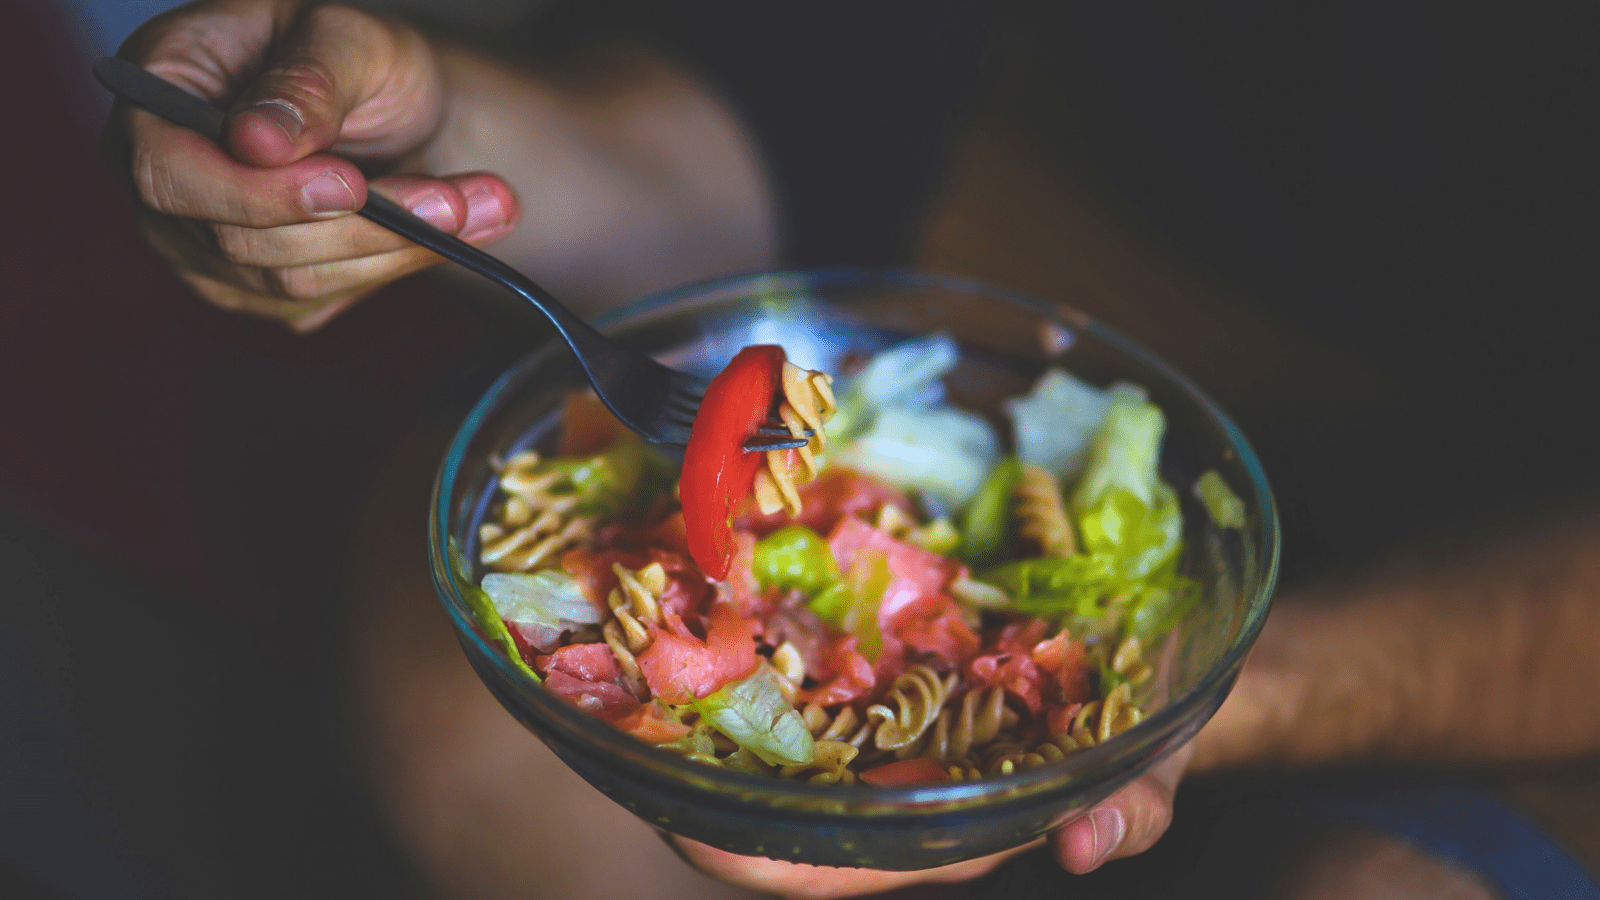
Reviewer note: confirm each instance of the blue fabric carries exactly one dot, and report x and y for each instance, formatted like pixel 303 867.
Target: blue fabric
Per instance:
pixel 1471 829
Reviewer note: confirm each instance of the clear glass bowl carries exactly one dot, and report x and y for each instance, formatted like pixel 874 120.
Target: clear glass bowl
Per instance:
pixel 823 318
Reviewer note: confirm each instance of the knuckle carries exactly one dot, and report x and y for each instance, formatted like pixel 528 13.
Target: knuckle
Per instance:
pixel 154 182
pixel 235 244
pixel 307 81
pixel 294 282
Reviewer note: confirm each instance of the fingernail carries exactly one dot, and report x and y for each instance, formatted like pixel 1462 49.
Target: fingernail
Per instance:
pixel 328 193
pixel 281 114
pixel 485 214
pixel 1108 832
pixel 436 211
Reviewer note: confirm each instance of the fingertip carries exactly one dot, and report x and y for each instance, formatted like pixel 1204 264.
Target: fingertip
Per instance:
pixel 332 193
pixel 1085 843
pixel 266 134
pixel 492 207
pixel 438 202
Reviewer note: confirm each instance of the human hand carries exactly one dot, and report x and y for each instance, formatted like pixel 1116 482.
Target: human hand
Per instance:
pixel 1127 823
pixel 263 225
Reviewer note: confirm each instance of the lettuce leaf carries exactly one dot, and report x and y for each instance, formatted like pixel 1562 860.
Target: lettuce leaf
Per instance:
pixel 484 612
pixel 1055 421
pixel 547 598
pixel 1225 507
pixel 939 450
pixel 906 374
pixel 754 713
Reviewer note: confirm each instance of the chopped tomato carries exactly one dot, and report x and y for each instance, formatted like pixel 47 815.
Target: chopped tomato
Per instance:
pixel 717 472
pixel 680 667
pixel 920 770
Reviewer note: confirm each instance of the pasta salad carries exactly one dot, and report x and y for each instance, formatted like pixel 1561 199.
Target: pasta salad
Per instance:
pixel 905 599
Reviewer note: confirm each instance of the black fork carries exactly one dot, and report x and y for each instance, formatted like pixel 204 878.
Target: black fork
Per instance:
pixel 656 401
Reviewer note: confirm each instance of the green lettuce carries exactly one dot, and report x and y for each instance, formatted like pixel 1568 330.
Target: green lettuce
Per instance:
pixel 936 450
pixel 755 714
pixel 483 611
pixel 986 521
pixel 1225 507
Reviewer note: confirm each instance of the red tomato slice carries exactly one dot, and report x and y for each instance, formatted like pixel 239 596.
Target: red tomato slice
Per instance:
pixel 921 770
pixel 717 473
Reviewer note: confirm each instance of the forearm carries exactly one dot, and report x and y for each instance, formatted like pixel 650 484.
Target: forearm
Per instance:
pixel 1480 660
pixel 632 178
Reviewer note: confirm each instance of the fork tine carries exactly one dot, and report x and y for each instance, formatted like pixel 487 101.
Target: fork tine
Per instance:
pixel 762 445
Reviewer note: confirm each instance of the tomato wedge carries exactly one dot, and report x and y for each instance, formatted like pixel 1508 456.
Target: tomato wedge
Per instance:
pixel 717 473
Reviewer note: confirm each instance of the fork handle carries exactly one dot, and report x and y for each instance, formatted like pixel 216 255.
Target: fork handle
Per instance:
pixel 165 99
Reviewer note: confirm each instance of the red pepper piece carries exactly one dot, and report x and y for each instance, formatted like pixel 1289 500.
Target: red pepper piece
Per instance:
pixel 919 770
pixel 717 473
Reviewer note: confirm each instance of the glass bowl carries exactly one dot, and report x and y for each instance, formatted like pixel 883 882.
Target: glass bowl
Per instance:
pixel 823 318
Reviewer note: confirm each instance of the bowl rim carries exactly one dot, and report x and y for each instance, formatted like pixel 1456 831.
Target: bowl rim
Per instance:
pixel 800 797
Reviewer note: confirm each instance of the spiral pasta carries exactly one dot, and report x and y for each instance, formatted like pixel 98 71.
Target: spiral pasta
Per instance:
pixel 534 523
pixel 978 720
pixel 917 695
pixel 1041 515
pixel 807 403
pixel 633 603
pixel 846 725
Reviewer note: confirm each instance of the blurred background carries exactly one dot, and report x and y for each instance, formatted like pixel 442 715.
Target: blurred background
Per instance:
pixel 178 486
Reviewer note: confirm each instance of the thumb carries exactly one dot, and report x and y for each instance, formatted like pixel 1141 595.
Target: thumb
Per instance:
pixel 341 79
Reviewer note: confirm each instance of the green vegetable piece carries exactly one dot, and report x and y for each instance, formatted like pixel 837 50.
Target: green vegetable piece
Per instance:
pixel 1225 507
pixel 1141 537
pixel 984 524
pixel 484 613
pixel 795 557
pixel 852 602
pixel 831 602
pixel 1069 585
pixel 938 536
pixel 619 480
pixel 1124 453
pixel 755 715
